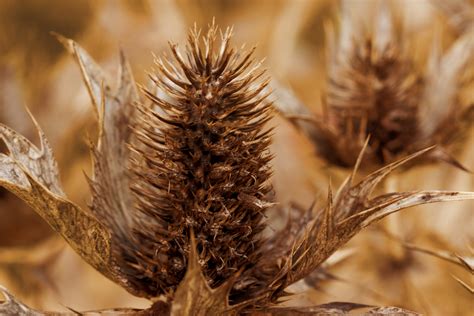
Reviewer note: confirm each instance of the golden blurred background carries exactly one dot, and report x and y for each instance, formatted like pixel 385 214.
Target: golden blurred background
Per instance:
pixel 36 71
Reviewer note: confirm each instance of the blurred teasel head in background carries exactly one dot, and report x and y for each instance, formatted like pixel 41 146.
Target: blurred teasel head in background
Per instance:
pixel 375 88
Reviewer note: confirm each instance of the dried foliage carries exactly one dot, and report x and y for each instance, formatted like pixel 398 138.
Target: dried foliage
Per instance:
pixel 12 233
pixel 460 14
pixel 181 186
pixel 374 88
pixel 465 262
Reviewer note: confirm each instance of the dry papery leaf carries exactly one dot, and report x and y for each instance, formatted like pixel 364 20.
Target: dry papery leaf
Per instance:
pixel 374 88
pixel 463 261
pixel 32 228
pixel 460 14
pixel 141 172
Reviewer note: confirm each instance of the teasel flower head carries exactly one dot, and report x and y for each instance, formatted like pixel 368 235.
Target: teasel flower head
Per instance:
pixel 374 88
pixel 201 164
pixel 180 188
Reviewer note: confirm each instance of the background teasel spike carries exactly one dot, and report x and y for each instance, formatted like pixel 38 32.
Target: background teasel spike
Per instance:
pixel 373 88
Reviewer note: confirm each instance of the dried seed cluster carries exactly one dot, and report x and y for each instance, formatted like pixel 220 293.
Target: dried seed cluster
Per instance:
pixel 376 93
pixel 375 89
pixel 202 164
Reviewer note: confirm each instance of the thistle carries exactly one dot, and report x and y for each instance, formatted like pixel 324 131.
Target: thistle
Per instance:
pixel 200 164
pixel 180 188
pixel 374 88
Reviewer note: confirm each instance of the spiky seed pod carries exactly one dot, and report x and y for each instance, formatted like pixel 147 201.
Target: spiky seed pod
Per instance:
pixel 375 89
pixel 375 93
pixel 202 164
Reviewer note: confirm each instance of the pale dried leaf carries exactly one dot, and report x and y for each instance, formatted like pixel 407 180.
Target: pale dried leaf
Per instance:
pixel 194 296
pixel 351 211
pixel 31 174
pixel 39 162
pixel 350 29
pixel 383 28
pixel 462 261
pixel 336 308
pixel 460 13
pixel 391 311
pixel 442 84
pixel 466 286
pixel 10 306
pixel 115 110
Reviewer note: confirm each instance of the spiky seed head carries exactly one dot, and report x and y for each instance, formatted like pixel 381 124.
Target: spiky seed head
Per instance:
pixel 375 93
pixel 375 89
pixel 201 164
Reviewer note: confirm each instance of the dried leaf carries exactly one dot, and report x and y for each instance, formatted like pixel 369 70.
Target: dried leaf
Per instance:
pixel 115 111
pixel 194 296
pixel 466 263
pixel 11 306
pixel 469 288
pixel 442 85
pixel 336 308
pixel 112 201
pixel 391 311
pixel 459 12
pixel 351 211
pixel 32 175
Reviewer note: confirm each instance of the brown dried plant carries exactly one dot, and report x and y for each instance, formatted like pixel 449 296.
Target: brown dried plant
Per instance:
pixel 460 14
pixel 464 261
pixel 181 186
pixel 374 87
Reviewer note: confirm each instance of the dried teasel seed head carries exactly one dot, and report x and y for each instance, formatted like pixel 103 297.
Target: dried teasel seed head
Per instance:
pixel 375 89
pixel 201 163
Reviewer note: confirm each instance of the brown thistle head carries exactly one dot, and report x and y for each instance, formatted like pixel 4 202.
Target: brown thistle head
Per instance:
pixel 374 88
pixel 201 164
pixel 375 93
